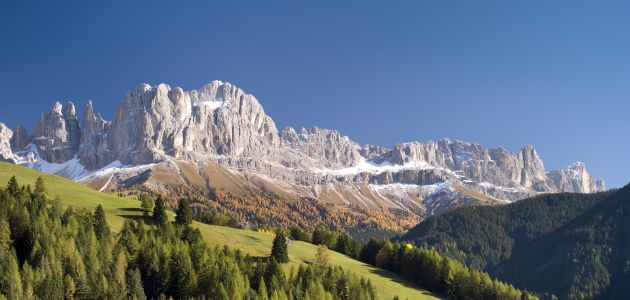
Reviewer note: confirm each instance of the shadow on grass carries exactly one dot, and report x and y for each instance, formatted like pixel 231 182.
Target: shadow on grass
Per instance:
pixel 258 259
pixel 254 238
pixel 147 219
pixel 398 279
pixel 130 209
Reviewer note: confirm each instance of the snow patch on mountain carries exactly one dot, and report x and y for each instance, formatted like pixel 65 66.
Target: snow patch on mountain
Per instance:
pixel 365 166
pixel 118 168
pixel 71 169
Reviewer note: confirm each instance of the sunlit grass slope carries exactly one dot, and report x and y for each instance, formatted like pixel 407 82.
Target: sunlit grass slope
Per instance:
pixel 70 193
pixel 73 194
pixel 387 284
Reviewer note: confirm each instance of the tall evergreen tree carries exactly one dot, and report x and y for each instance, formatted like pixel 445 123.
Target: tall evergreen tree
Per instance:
pixel 13 187
pixel 40 187
pixel 322 257
pixel 5 236
pixel 135 291
pixel 70 287
pixel 147 204
pixel 101 229
pixel 182 278
pixel 159 212
pixel 279 249
pixel 184 214
pixel 10 280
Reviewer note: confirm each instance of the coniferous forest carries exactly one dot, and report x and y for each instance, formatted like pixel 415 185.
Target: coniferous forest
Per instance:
pixel 50 253
pixel 571 246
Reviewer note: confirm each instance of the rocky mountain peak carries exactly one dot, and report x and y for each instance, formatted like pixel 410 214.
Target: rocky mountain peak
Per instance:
pixel 56 137
pixel 57 108
pixel 578 167
pixel 576 179
pixel 218 119
pixel 69 111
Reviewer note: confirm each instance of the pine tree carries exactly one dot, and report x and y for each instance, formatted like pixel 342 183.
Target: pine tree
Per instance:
pixel 13 187
pixel 118 288
pixel 273 275
pixel 223 294
pixel 71 287
pixel 135 291
pixel 279 249
pixel 5 236
pixel 40 187
pixel 384 255
pixel 28 281
pixel 147 204
pixel 322 257
pixel 182 273
pixel 262 290
pixel 159 212
pixel 184 214
pixel 101 229
pixel 10 280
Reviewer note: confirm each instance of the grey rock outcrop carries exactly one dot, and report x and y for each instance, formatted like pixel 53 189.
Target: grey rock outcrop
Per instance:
pixel 371 152
pixel 474 162
pixel 57 134
pixel 576 179
pixel 72 126
pixel 154 123
pixel 94 150
pixel 20 138
pixel 6 154
pixel 328 148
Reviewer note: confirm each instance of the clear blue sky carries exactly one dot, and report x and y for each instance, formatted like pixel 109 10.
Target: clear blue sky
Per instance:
pixel 554 74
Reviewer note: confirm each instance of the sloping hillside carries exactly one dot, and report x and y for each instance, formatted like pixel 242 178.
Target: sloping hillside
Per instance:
pixel 486 235
pixel 574 246
pixel 73 194
pixel 587 258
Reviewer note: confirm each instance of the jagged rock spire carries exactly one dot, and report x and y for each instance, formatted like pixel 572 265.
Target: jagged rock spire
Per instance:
pixel 6 134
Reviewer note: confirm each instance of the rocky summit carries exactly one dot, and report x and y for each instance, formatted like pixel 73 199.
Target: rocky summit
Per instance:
pixel 219 137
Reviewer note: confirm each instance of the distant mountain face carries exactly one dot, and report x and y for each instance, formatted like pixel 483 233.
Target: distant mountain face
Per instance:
pixel 575 246
pixel 219 127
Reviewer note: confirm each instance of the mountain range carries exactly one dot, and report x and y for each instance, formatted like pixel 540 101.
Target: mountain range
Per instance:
pixel 219 138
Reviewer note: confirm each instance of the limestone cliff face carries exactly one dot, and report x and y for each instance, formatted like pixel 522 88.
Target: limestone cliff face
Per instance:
pixel 57 134
pixel 154 123
pixel 576 179
pixel 475 162
pixel 223 125
pixel 94 149
pixel 20 138
pixel 326 148
pixel 6 154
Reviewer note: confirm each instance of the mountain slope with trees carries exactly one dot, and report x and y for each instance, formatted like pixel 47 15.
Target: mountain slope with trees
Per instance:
pixel 49 253
pixel 486 235
pixel 574 246
pixel 63 193
pixel 587 258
